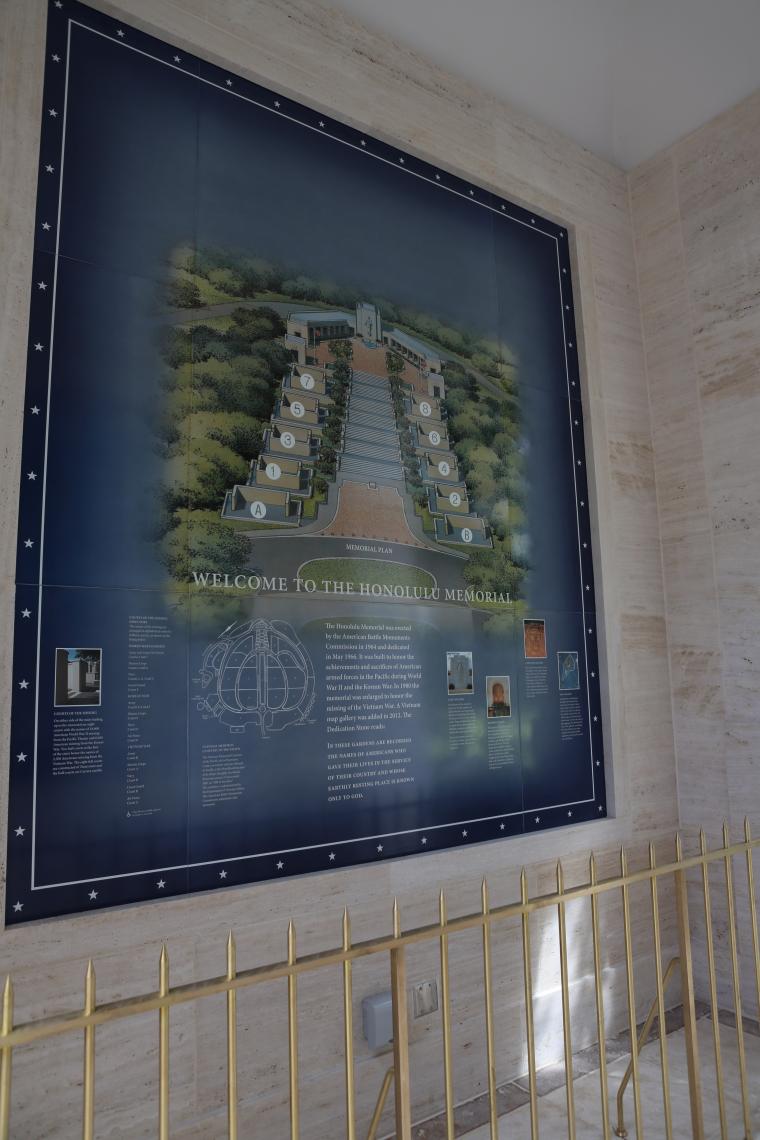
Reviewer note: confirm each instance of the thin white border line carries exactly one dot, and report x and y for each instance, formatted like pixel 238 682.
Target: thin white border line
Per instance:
pixel 319 130
pixel 315 846
pixel 424 178
pixel 578 523
pixel 45 460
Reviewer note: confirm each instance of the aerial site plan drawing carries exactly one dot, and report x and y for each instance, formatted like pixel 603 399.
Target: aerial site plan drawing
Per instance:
pixel 304 572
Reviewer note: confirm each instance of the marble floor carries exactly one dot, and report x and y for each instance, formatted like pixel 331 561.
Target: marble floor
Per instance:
pixel 515 1125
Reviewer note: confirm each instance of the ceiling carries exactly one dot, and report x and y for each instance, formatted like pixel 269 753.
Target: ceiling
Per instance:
pixel 624 78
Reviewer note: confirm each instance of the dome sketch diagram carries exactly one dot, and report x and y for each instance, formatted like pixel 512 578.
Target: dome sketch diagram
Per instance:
pixel 257 672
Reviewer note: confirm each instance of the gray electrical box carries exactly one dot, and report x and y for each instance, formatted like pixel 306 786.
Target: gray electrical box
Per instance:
pixel 377 1020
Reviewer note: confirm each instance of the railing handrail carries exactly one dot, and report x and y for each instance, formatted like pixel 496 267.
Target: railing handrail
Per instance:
pixel 27 1032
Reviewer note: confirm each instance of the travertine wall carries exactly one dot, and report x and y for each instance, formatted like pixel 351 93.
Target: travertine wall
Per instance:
pixel 303 49
pixel 696 217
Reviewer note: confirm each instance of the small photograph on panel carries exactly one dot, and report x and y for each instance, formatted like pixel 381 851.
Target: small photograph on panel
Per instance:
pixel 459 672
pixel 534 637
pixel 498 698
pixel 77 677
pixel 569 673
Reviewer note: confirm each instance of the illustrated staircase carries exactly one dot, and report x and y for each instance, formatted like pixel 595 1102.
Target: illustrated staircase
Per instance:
pixel 371 452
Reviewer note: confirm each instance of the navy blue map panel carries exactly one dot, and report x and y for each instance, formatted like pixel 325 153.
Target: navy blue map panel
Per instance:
pixel 304 570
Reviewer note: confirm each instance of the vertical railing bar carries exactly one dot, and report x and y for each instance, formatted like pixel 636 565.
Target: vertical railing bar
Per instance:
pixel 530 1039
pixel 295 1112
pixel 600 1026
pixel 6 1061
pixel 446 1018
pixel 488 992
pixel 348 1030
pixel 88 1077
pixel 691 1039
pixel 400 1033
pixel 752 908
pixel 714 1011
pixel 631 994
pixel 163 1047
pixel 736 984
pixel 232 1092
pixel 565 984
pixel 664 1067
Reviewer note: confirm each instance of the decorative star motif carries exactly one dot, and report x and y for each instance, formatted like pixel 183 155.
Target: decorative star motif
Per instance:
pixel 567 307
pixel 46 225
pixel 533 221
pixel 26 613
pixel 502 826
pixel 596 718
pixel 321 122
pixel 464 833
pixel 53 113
pixel 56 58
pixel 35 410
pixel 564 270
pixel 538 819
pixel 597 763
pixel 503 207
pixel 362 142
pixel 58 3
pixel 178 59
pixel 579 463
pixel 277 102
pixel 18 907
pixel 21 757
pixel 280 865
pixel 229 83
pixel 569 814
pixel 332 856
pixel 23 684
pixel 575 422
pixel 120 33
pixel 31 475
pixel 590 630
pixel 19 831
pixel 161 884
pixel 222 874
pixel 585 546
pixel 379 848
pixel 570 344
pixel 588 587
pixel 92 895
pixel 472 193
pixel 438 178
pixel 593 674
pixel 601 808
pixel 423 841
pixel 28 543
pixel 401 161
pixel 42 285
pixel 38 347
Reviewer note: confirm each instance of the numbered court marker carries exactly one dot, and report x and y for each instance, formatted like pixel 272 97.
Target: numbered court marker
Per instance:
pixel 297 409
pixel 307 381
pixel 258 509
pixel 273 470
pixel 455 499
pixel 425 409
pixel 467 535
pixel 444 468
pixel 435 438
pixel 287 439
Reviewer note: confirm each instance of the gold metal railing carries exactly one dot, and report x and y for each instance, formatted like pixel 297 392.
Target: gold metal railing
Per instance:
pixel 93 1015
